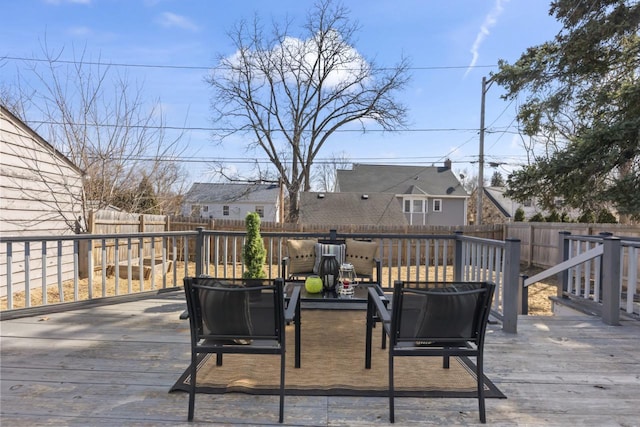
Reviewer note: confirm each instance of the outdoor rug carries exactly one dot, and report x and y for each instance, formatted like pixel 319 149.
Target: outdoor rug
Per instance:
pixel 332 364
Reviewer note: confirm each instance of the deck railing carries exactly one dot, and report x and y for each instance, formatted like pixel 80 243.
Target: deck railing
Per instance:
pixel 603 270
pixel 39 271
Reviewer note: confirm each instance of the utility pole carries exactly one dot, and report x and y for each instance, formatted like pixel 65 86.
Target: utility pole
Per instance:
pixel 480 189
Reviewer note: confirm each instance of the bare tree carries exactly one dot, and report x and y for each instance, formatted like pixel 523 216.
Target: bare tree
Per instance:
pixel 290 95
pixel 325 171
pixel 101 121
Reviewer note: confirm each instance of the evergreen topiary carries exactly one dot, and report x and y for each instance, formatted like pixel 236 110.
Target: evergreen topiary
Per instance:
pixel 519 216
pixel 253 253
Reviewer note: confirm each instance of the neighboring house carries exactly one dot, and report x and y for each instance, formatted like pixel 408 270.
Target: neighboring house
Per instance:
pixel 40 188
pixel 332 209
pixel 428 195
pixel 498 208
pixel 40 194
pixel 233 201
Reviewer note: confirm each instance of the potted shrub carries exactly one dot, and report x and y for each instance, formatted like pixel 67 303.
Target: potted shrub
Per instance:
pixel 253 253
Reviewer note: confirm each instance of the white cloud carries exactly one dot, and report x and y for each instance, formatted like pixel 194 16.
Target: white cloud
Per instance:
pixel 172 20
pixel 302 56
pixel 489 21
pixel 80 31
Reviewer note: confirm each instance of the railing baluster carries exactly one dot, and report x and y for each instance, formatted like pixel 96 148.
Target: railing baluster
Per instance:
pixel 116 268
pixel 104 267
pixel 9 276
pixel 59 272
pixel 44 272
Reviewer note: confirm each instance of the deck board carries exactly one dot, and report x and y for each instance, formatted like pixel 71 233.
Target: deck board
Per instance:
pixel 113 365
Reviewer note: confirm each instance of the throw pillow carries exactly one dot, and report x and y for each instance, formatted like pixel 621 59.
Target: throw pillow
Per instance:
pixel 328 249
pixel 361 255
pixel 302 255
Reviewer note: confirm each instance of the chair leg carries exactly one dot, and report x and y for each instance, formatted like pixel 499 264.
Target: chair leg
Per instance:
pixel 445 361
pixel 391 391
pixel 218 359
pixel 282 366
pixel 192 386
pixel 480 375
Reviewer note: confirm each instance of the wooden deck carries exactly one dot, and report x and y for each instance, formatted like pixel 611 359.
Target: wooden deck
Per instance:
pixel 113 365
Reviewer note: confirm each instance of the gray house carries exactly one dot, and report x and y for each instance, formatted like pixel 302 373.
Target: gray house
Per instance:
pixel 333 209
pixel 428 195
pixel 233 201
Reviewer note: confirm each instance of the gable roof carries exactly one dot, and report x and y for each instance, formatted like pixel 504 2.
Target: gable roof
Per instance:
pixel 437 181
pixel 496 195
pixel 350 209
pixel 210 192
pixel 19 124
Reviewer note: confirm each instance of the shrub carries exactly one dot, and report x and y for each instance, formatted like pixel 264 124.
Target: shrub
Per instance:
pixel 253 253
pixel 519 216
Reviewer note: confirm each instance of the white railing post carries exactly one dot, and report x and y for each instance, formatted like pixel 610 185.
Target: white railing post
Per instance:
pixel 512 286
pixel 611 281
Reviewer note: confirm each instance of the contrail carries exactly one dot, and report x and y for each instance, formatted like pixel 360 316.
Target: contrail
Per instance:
pixel 489 21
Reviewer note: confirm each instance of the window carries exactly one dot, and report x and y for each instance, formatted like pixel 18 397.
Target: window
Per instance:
pixel 527 203
pixel 205 208
pixel 407 205
pixel 260 211
pixel 225 210
pixel 437 205
pixel 418 206
pixel 195 210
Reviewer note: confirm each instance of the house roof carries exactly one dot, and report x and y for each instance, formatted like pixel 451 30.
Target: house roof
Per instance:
pixel 496 195
pixel 350 209
pixel 425 180
pixel 16 121
pixel 209 192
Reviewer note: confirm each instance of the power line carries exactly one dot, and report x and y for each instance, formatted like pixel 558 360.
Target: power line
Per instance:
pixel 213 129
pixel 202 67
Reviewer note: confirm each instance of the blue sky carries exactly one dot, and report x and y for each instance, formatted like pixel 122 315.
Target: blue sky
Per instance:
pixel 452 44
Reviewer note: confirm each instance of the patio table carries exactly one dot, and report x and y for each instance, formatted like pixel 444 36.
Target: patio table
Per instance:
pixel 295 295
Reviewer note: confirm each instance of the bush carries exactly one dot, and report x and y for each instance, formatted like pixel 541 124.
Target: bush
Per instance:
pixel 537 218
pixel 519 216
pixel 605 217
pixel 253 253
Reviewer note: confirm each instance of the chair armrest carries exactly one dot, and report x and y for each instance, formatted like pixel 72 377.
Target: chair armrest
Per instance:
pixel 380 306
pixel 294 300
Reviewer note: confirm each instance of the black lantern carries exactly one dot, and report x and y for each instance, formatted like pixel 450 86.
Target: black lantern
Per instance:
pixel 329 271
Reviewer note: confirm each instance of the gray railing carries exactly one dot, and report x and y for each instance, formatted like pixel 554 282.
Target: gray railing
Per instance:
pixel 38 271
pixel 603 270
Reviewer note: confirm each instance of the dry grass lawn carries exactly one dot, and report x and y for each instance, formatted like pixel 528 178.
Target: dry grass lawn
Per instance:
pixel 539 303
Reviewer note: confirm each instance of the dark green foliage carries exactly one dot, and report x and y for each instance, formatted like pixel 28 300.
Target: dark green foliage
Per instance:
pixel 253 253
pixel 553 216
pixel 519 216
pixel 582 101
pixel 537 218
pixel 587 217
pixel 497 180
pixel 605 217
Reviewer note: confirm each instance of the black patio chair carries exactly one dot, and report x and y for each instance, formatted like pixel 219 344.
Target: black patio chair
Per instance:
pixel 235 316
pixel 439 319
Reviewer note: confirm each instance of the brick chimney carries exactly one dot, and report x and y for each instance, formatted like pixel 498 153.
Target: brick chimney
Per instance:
pixel 447 164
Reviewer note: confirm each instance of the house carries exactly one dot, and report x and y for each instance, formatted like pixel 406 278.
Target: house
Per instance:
pixel 233 201
pixel 40 188
pixel 334 209
pixel 40 194
pixel 498 208
pixel 428 195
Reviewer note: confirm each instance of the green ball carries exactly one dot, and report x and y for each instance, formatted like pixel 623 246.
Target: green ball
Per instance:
pixel 313 284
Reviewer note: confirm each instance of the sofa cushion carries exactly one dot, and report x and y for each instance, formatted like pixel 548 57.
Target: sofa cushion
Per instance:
pixel 302 255
pixel 330 249
pixel 361 255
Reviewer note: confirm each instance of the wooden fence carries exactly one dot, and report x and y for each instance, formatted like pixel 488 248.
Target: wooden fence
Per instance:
pixel 539 241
